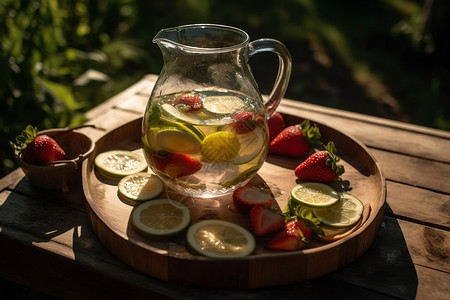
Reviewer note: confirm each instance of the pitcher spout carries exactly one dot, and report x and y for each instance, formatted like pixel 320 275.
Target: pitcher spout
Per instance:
pixel 168 35
pixel 202 37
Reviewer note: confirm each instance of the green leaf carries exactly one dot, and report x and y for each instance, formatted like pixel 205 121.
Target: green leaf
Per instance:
pixel 61 92
pixel 155 115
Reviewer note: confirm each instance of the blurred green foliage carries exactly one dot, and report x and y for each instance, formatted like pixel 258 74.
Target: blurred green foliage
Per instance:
pixel 60 58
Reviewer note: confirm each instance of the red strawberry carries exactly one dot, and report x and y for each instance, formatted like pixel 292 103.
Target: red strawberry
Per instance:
pixel 244 122
pixel 176 165
pixel 293 236
pixel 37 149
pixel 192 102
pixel 265 220
pixel 321 166
pixel 276 125
pixel 295 140
pixel 246 197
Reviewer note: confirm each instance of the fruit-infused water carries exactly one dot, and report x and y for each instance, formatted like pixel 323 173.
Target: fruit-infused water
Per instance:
pixel 205 143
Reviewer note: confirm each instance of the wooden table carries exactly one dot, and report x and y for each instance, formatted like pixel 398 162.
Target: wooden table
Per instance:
pixel 46 241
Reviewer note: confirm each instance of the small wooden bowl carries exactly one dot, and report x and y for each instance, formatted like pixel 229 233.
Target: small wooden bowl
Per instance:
pixel 62 173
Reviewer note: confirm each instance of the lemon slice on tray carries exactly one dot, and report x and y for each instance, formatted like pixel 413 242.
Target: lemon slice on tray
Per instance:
pixel 345 213
pixel 120 163
pixel 161 217
pixel 219 239
pixel 314 194
pixel 140 187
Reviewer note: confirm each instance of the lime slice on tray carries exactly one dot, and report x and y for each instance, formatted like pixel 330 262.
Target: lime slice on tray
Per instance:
pixel 220 147
pixel 177 140
pixel 313 194
pixel 346 212
pixel 225 104
pixel 219 239
pixel 161 217
pixel 141 186
pixel 120 163
pixel 251 145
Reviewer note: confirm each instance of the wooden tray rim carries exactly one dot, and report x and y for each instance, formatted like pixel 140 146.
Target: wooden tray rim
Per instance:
pixel 88 167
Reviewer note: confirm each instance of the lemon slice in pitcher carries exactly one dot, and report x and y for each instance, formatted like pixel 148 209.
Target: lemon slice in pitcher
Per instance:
pixel 219 239
pixel 225 104
pixel 176 140
pixel 220 147
pixel 186 117
pixel 161 217
pixel 251 145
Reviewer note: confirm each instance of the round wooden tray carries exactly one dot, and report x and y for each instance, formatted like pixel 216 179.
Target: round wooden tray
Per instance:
pixel 169 260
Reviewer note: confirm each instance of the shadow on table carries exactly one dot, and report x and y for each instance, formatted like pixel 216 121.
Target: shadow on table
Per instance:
pixel 32 222
pixel 384 271
pixel 386 266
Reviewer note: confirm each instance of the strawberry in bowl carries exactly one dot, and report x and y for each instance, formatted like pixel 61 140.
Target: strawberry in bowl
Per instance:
pixel 52 158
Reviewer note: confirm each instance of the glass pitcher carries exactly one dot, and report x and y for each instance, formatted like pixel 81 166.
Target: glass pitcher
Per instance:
pixel 204 130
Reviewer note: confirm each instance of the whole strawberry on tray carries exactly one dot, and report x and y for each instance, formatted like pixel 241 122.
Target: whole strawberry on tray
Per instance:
pixel 321 166
pixel 296 140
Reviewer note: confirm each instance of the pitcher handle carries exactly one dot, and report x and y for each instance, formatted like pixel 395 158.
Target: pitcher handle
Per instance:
pixel 284 69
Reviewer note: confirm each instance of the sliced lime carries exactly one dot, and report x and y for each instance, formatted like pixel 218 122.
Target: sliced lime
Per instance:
pixel 219 239
pixel 224 104
pixel 187 127
pixel 140 187
pixel 175 140
pixel 175 113
pixel 161 217
pixel 346 212
pixel 314 194
pixel 251 145
pixel 120 163
pixel 220 147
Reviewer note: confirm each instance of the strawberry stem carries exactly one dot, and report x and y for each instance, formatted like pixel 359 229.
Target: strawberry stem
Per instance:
pixel 311 133
pixel 333 159
pixel 22 140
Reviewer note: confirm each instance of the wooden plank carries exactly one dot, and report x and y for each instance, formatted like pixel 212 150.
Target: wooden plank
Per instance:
pixel 377 134
pixel 313 108
pixel 113 118
pixel 428 247
pixel 373 131
pixel 432 284
pixel 414 171
pixel 11 180
pixel 100 109
pixel 52 222
pixel 419 205
pixel 396 264
pixel 136 103
pixel 67 279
